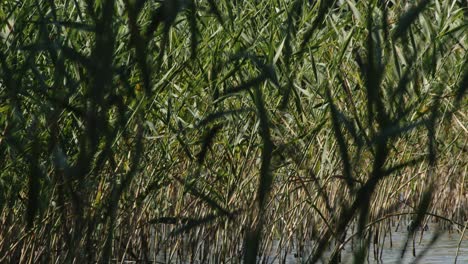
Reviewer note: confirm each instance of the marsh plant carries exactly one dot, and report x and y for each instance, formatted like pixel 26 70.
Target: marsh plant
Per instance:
pixel 207 131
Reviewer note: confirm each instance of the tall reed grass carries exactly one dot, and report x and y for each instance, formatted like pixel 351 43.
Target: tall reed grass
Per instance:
pixel 204 131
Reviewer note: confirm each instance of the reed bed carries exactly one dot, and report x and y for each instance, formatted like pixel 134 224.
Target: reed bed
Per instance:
pixel 228 131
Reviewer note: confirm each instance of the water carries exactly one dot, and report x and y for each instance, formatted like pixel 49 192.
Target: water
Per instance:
pixel 444 250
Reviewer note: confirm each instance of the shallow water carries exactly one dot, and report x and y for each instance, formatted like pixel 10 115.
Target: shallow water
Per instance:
pixel 444 250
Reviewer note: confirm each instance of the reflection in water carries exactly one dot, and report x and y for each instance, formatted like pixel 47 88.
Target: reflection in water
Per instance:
pixel 443 250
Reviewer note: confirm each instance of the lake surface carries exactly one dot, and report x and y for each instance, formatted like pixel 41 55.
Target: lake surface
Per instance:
pixel 444 250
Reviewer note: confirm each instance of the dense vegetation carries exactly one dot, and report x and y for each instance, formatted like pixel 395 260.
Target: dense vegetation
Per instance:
pixel 203 131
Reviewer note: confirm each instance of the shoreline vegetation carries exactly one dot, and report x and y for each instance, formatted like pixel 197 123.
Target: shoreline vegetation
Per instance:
pixel 204 131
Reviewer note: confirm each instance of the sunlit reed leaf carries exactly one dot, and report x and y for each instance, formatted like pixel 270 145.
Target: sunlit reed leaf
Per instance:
pixel 345 47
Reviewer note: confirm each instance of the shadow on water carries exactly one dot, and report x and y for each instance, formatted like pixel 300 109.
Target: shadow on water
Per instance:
pixel 443 250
